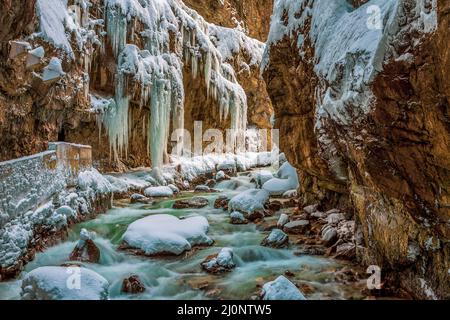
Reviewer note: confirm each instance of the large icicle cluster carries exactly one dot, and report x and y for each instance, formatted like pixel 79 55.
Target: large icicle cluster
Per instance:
pixel 158 71
pixel 174 37
pixel 349 45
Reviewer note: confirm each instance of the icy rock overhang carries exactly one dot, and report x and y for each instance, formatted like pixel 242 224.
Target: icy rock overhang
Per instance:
pixel 350 45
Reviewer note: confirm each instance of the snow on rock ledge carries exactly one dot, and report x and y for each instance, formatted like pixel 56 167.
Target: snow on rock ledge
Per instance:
pixel 64 283
pixel 249 201
pixel 166 234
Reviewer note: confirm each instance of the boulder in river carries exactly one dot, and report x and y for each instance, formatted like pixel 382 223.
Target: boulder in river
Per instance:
pixel 274 205
pixel 219 263
pixel 329 236
pixel 281 289
pixel 86 250
pixel 64 283
pixel 297 227
pixel 164 234
pixel 237 218
pixel 139 198
pixel 276 239
pixel 221 176
pixel 221 202
pixel 132 285
pixel 195 202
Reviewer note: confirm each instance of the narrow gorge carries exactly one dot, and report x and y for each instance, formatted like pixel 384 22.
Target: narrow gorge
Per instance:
pixel 224 149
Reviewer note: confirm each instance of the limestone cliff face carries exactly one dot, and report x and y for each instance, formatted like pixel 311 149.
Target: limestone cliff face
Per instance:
pixel 34 112
pixel 364 114
pixel 254 16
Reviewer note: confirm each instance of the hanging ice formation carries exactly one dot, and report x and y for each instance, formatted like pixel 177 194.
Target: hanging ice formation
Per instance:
pixel 158 71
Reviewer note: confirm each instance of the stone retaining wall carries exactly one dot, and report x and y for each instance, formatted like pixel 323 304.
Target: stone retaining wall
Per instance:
pixel 27 182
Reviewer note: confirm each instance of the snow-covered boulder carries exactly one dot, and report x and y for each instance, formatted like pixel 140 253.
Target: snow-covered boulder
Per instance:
pixel 64 283
pixel 221 175
pixel 281 289
pixel 261 176
pixel 249 201
pixel 219 263
pixel 286 179
pixel 284 218
pixel 158 192
pixel 195 202
pixel 174 188
pixel 139 198
pixel 85 250
pixel 202 189
pixel 166 234
pixel 276 239
pixel 237 218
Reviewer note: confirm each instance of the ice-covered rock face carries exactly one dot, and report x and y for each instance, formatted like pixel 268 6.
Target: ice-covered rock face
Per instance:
pixel 64 283
pixel 281 289
pixel 286 180
pixel 161 191
pixel 166 234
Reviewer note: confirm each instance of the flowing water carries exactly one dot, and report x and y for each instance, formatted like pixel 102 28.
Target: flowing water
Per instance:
pixel 182 277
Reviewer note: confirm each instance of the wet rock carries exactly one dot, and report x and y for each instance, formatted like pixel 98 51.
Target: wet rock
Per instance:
pixel 139 198
pixel 284 218
pixel 289 273
pixel 274 205
pixel 203 189
pixel 281 289
pixel 159 192
pixel 132 285
pixel 297 227
pixel 221 202
pixel 346 251
pixel 195 202
pixel 219 263
pixel 85 250
pixel 311 209
pixel 329 236
pixel 222 176
pixel 210 183
pixel 291 203
pixel 237 218
pixel 276 239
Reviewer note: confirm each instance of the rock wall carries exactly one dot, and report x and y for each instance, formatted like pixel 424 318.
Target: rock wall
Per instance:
pixel 364 114
pixel 33 112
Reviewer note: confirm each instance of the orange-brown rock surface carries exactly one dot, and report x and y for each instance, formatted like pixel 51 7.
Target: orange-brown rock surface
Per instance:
pixel 387 156
pixel 33 113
